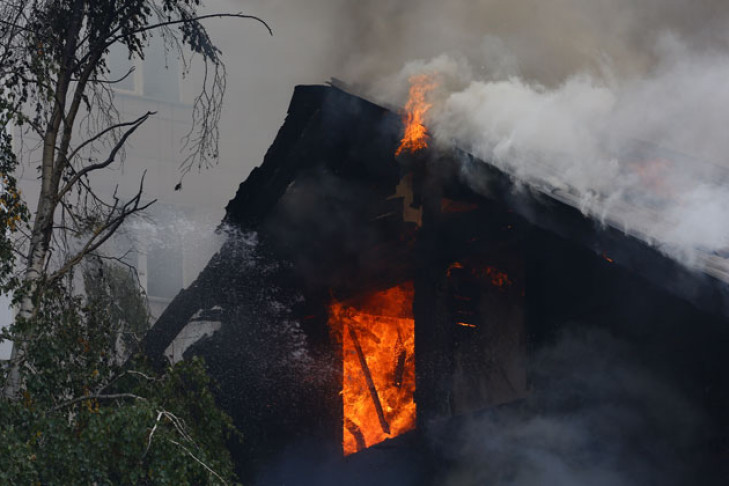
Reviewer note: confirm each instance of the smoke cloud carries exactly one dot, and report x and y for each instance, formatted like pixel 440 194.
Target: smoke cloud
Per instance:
pixel 616 106
pixel 625 122
pixel 617 148
pixel 596 416
pixel 551 41
pixel 362 41
pixel 567 96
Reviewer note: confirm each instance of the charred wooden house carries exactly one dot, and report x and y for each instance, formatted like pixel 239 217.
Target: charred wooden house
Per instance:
pixel 363 297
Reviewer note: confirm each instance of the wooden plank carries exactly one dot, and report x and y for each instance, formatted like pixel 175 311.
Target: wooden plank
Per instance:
pixel 370 382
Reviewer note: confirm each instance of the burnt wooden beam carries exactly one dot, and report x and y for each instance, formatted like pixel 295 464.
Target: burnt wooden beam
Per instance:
pixel 370 382
pixel 400 368
pixel 356 432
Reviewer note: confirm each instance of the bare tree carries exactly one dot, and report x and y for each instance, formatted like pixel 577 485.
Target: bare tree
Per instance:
pixel 54 74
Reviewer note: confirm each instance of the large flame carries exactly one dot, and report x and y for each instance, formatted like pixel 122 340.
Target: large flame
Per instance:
pixel 416 134
pixel 378 354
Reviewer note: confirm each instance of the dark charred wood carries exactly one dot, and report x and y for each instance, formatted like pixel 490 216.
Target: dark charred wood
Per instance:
pixel 400 368
pixel 363 150
pixel 370 382
pixel 434 335
pixel 354 429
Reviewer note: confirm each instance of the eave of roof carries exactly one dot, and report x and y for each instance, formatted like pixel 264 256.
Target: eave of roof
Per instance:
pixel 323 120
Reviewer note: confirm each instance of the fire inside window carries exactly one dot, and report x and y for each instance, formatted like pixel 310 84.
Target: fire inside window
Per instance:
pixel 377 335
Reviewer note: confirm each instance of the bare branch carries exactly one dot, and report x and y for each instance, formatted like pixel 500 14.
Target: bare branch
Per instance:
pixel 143 375
pixel 112 154
pixel 177 422
pixel 112 396
pixel 134 124
pixel 151 433
pixel 198 460
pixel 115 38
pixel 115 218
pixel 187 21
pixel 129 72
pixel 207 109
pixel 17 26
pixel 71 214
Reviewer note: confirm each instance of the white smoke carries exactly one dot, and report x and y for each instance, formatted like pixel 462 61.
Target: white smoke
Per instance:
pixel 555 93
pixel 646 153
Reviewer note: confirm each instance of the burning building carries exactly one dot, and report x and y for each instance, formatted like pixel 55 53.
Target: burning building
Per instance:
pixel 368 299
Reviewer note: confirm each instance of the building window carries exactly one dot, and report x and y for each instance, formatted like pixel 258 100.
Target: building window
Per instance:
pixel 162 261
pixel 124 72
pixel 161 73
pixel 156 77
pixel 164 268
pixel 6 318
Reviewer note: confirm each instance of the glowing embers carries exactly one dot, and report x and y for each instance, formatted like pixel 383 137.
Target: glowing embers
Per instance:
pixel 416 134
pixel 498 278
pixel 378 353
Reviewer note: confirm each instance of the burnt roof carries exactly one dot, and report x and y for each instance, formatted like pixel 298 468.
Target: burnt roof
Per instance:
pixel 325 127
pixel 342 134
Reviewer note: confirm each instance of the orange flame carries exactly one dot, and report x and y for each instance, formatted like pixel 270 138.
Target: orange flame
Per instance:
pixel 416 134
pixel 654 174
pixel 378 354
pixel 498 279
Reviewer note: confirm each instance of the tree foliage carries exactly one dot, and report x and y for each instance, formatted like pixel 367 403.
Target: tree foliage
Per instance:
pixel 115 288
pixel 72 412
pixel 54 79
pixel 84 418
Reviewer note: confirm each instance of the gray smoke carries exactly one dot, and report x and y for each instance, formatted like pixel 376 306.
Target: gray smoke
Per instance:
pixel 575 141
pixel 578 141
pixel 362 41
pixel 551 40
pixel 596 416
pixel 557 94
pixel 636 142
pixel 616 106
